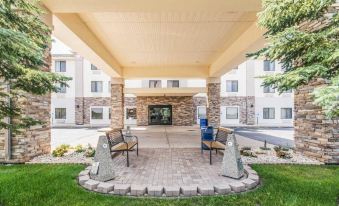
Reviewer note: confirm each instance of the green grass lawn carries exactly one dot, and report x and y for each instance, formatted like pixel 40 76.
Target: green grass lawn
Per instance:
pixel 56 185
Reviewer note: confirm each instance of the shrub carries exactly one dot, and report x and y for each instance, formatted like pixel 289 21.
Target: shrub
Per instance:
pixel 246 151
pixel 283 154
pixel 89 151
pixel 79 148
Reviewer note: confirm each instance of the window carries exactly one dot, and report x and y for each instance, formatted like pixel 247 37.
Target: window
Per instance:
pixel 269 90
pixel 93 67
pixel 96 86
pixel 60 113
pixel 288 91
pixel 202 113
pixel 60 66
pixel 97 113
pixel 286 113
pixel 232 85
pixel 109 113
pixel 62 88
pixel 173 83
pixel 269 66
pixel 269 113
pixel 231 112
pixel 154 83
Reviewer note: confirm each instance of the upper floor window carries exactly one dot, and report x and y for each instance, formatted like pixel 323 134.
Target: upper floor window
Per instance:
pixel 93 67
pixel 96 86
pixel 286 113
pixel 154 83
pixel 269 66
pixel 60 113
pixel 269 113
pixel 269 89
pixel 232 86
pixel 173 83
pixel 232 113
pixel 60 66
pixel 62 88
pixel 97 113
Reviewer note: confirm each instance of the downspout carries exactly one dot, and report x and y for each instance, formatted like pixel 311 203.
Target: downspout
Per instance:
pixel 8 139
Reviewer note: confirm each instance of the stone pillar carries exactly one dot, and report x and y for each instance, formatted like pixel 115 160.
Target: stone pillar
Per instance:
pixel 315 136
pixel 117 101
pixel 213 102
pixel 36 140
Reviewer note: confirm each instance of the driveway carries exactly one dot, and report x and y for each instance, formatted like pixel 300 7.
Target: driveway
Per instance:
pixel 172 136
pixel 275 136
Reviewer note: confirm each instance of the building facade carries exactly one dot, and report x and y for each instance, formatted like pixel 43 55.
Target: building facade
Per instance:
pixel 243 101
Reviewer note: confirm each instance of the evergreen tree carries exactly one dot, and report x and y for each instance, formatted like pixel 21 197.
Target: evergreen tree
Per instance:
pixel 24 46
pixel 306 53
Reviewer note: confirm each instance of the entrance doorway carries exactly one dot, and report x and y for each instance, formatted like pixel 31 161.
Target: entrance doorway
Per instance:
pixel 160 115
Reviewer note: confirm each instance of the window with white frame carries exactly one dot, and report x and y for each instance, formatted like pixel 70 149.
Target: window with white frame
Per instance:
pixel 60 66
pixel 96 86
pixel 269 66
pixel 60 113
pixel 231 85
pixel 62 88
pixel 93 67
pixel 202 113
pixel 232 113
pixel 286 113
pixel 173 83
pixel 268 113
pixel 97 113
pixel 268 89
pixel 288 91
pixel 154 84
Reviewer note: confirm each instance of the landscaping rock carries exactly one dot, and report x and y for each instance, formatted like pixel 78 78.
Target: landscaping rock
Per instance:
pixel 155 191
pixel 104 187
pixel 206 190
pixel 91 184
pixel 172 191
pixel 121 189
pixel 188 191
pixel 249 183
pixel 83 179
pixel 85 172
pixel 138 190
pixel 222 189
pixel 237 187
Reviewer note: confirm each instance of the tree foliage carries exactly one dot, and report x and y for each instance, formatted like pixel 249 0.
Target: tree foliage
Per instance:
pixel 305 53
pixel 24 46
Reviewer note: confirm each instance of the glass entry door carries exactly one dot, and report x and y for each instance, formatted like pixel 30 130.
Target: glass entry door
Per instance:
pixel 160 115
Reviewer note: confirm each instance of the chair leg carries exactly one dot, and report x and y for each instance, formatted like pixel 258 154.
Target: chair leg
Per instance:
pixel 127 159
pixel 137 149
pixel 210 156
pixel 216 151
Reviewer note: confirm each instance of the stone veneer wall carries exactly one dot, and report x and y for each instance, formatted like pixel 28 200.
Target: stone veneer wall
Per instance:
pixel 315 136
pixel 35 140
pixel 117 103
pixel 130 101
pixel 83 113
pixel 198 101
pixel 246 112
pixel 182 109
pixel 213 109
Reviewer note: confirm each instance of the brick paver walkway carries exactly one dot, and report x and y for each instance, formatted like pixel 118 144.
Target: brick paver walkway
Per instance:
pixel 170 167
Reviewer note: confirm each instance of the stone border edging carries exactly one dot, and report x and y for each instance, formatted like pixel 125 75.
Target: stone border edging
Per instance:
pixel 250 182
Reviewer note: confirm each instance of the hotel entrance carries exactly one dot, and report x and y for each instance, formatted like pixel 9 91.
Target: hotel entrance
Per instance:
pixel 160 115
